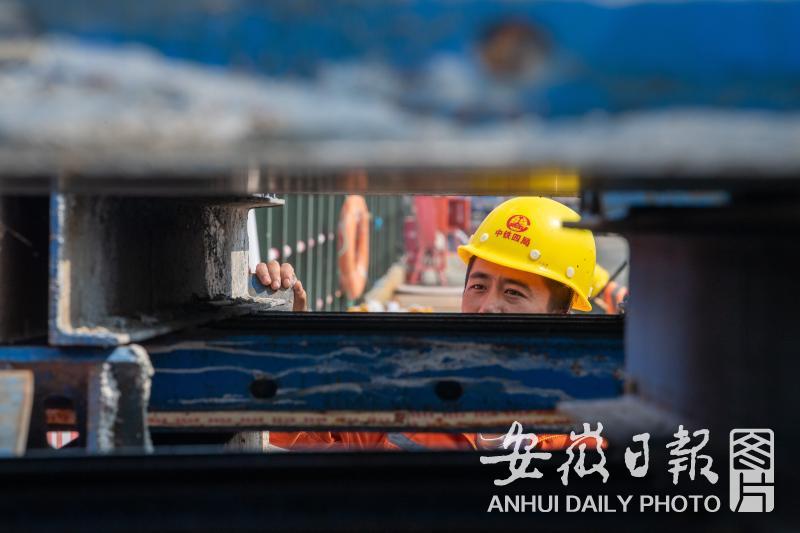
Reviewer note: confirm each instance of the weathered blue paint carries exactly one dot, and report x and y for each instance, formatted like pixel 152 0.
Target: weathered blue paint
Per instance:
pixel 74 375
pixel 52 354
pixel 351 363
pixel 617 204
pixel 612 56
pixel 383 372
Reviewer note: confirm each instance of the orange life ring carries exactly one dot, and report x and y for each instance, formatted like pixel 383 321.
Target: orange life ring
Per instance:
pixel 353 246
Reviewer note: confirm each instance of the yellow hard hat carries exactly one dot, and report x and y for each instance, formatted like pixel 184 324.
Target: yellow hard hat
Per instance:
pixel 526 233
pixel 600 279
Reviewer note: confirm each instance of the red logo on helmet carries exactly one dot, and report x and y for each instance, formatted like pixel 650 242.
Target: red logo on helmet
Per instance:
pixel 518 223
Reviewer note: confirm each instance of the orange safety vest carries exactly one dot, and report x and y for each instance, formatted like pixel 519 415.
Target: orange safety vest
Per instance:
pixel 613 297
pixel 366 441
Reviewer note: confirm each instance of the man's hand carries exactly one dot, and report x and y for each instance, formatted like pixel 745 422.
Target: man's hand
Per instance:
pixel 276 276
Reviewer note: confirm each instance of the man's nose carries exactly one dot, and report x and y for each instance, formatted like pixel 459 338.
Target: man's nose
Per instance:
pixel 491 305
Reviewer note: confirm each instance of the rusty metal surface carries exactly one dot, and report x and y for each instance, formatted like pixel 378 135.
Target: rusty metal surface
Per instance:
pixel 118 394
pixel 61 377
pixel 126 269
pixel 543 420
pixel 101 394
pixel 382 372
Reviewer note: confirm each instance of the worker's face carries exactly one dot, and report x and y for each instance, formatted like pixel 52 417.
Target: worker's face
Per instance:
pixel 492 288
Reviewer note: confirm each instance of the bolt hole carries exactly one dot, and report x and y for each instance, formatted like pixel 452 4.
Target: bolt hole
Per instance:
pixel 263 388
pixel 449 390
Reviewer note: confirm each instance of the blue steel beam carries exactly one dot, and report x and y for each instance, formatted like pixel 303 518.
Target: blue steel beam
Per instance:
pixel 430 97
pixel 615 56
pixel 431 363
pixel 70 377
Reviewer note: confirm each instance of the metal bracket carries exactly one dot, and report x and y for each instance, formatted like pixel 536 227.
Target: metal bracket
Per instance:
pixel 127 269
pixel 119 391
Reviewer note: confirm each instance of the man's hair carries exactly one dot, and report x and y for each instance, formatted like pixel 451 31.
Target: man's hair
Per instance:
pixel 560 295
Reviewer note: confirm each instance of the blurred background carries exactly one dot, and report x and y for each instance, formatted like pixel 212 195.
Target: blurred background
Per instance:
pixel 606 88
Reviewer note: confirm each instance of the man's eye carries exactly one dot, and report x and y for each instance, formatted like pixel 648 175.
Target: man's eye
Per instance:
pixel 512 292
pixel 476 286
